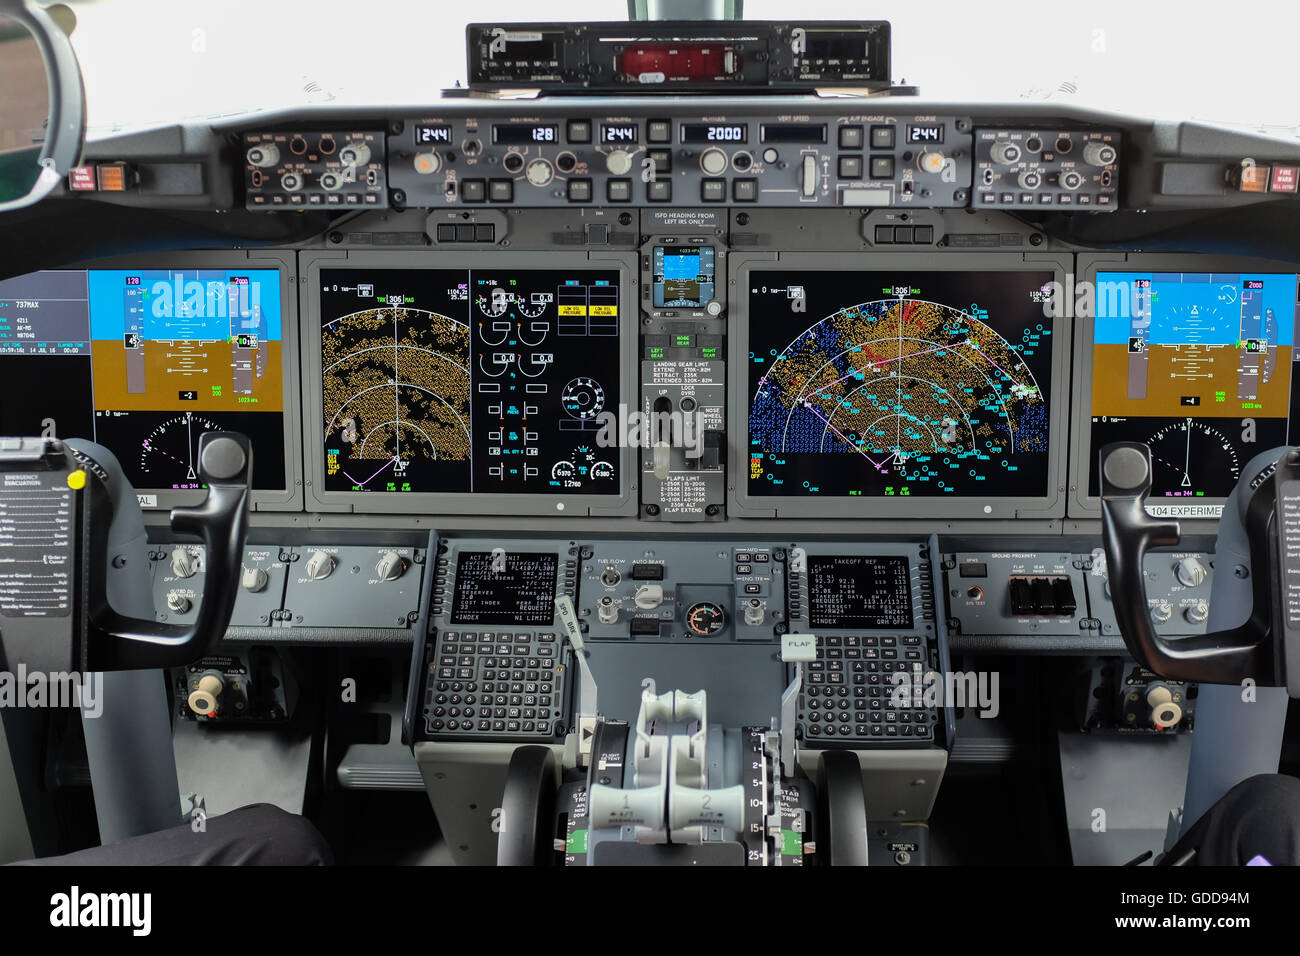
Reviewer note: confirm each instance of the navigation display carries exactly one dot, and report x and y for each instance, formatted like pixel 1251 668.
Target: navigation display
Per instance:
pixel 459 380
pixel 499 587
pixel 899 383
pixel 1196 365
pixel 144 361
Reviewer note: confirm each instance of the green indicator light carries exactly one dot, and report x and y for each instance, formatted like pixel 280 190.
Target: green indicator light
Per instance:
pixel 577 842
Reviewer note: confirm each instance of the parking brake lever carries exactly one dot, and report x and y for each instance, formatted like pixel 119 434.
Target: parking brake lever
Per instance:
pixel 225 465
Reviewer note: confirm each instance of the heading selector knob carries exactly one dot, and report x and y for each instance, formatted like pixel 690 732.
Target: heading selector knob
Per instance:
pixel 619 162
pixel 182 562
pixel 1190 572
pixel 254 579
pixel 320 565
pixel 391 566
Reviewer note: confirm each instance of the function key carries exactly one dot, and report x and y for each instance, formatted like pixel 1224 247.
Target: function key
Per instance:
pixel 851 137
pixel 578 131
pixel 659 131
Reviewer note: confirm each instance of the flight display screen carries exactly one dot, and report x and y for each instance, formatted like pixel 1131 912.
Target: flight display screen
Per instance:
pixel 500 587
pixel 469 380
pixel 143 361
pixel 1198 366
pixel 859 590
pixel 899 383
pixel 683 276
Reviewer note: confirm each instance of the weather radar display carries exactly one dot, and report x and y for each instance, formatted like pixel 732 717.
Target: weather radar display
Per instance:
pixel 899 383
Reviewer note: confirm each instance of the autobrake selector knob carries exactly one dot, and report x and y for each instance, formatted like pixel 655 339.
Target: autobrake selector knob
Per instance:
pixel 205 699
pixel 254 579
pixel 182 562
pixel 1189 571
pixel 391 566
pixel 320 565
pixel 648 596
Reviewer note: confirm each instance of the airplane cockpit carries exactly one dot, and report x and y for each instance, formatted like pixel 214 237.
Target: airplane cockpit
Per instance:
pixel 670 438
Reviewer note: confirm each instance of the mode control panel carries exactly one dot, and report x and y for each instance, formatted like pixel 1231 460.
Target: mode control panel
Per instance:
pixel 308 169
pixel 802 159
pixel 1069 169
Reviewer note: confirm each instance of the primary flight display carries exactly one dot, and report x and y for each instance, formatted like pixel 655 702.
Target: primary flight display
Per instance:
pixel 1196 365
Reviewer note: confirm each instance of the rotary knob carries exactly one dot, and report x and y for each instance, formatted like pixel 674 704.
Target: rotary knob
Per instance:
pixel 1161 613
pixel 267 154
pixel 1197 613
pixel 755 614
pixel 182 562
pixel 1099 154
pixel 648 596
pixel 1030 179
pixel 1007 153
pixel 607 610
pixel 319 566
pixel 391 566
pixel 619 162
pixel 206 696
pixel 1190 572
pixel 354 154
pixel 933 162
pixel 254 579
pixel 427 163
pixel 178 603
pixel 713 162
pixel 539 172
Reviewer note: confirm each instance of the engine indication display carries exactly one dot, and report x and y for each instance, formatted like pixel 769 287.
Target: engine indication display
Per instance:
pixel 1196 365
pixel 919 383
pixel 461 381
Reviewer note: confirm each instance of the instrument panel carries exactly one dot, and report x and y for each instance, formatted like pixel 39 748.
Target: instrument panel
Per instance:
pixel 746 384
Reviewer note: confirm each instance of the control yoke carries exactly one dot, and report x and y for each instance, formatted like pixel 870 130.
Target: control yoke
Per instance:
pixel 1248 651
pixel 225 465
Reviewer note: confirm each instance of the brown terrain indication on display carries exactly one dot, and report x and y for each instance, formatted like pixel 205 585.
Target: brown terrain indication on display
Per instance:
pixel 231 376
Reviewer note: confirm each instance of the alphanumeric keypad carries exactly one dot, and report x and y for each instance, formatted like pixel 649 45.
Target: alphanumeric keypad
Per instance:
pixel 867 689
pixel 495 683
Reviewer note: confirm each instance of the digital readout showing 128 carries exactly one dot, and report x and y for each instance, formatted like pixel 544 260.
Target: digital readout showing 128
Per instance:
pixel 522 135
